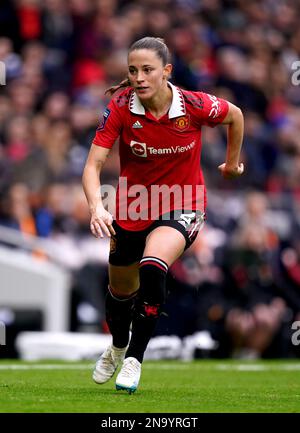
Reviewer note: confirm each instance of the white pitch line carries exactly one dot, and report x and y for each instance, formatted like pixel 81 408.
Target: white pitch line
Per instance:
pixel 83 367
pixel 44 367
pixel 258 367
pixel 171 366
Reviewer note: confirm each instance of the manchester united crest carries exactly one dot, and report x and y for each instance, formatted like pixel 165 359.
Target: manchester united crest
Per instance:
pixel 182 123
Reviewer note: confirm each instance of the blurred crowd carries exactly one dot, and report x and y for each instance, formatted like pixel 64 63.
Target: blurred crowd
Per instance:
pixel 241 278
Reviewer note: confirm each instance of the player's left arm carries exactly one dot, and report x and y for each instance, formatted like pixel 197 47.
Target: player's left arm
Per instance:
pixel 232 167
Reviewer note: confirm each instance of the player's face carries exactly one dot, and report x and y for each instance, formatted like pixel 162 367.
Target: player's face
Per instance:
pixel 147 73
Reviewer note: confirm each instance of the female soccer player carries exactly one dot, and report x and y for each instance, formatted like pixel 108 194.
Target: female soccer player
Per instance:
pixel 160 202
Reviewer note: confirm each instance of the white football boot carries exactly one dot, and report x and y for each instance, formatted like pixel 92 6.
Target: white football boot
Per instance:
pixel 129 375
pixel 108 363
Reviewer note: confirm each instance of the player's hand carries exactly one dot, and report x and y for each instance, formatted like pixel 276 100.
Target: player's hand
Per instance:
pixel 101 223
pixel 231 172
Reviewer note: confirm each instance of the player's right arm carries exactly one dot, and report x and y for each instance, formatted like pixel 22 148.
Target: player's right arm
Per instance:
pixel 106 135
pixel 101 220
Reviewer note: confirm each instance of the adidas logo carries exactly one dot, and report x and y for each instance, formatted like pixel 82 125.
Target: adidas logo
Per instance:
pixel 137 125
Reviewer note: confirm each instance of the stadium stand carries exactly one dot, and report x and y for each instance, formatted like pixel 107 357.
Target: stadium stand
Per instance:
pixel 241 280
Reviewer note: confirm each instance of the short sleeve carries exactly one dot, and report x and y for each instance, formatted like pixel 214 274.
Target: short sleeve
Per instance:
pixel 109 127
pixel 213 110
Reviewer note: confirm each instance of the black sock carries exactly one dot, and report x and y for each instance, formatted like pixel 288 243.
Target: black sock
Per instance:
pixel 142 331
pixel 118 318
pixel 150 299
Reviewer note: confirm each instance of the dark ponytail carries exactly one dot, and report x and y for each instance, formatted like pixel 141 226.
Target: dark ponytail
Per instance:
pixel 148 43
pixel 113 89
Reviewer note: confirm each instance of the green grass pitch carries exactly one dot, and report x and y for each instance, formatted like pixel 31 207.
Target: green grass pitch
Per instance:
pixel 166 386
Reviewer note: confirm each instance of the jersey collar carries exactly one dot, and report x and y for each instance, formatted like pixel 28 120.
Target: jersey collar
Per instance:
pixel 177 108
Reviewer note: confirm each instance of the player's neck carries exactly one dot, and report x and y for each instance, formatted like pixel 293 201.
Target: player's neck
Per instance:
pixel 160 103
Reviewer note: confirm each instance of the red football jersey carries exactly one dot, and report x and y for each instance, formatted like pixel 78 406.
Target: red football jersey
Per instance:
pixel 159 158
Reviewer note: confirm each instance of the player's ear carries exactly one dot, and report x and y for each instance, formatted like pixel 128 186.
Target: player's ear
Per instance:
pixel 167 71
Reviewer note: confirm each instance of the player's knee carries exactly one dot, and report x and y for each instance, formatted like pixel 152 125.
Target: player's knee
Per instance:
pixel 152 292
pixel 123 284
